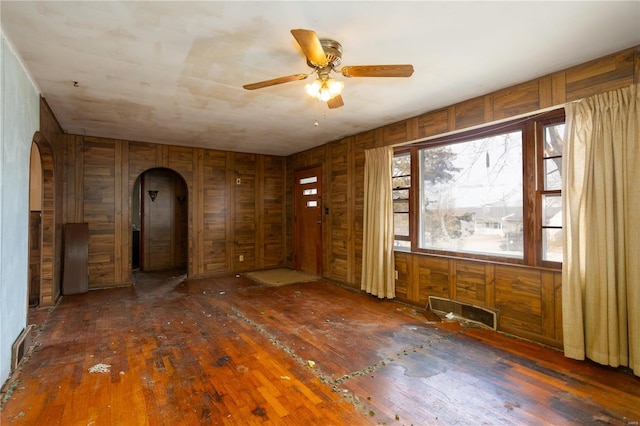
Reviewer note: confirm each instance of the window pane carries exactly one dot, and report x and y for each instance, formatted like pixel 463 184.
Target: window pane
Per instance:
pixel 401 194
pixel 401 165
pixel 552 210
pixel 401 224
pixel 402 182
pixel 312 204
pixel 552 244
pixel 553 137
pixel 552 176
pixel 312 179
pixel 312 191
pixel 471 196
pixel 401 206
pixel 402 245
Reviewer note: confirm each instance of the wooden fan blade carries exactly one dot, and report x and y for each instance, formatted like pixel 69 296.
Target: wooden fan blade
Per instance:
pixel 335 102
pixel 273 82
pixel 378 71
pixel 310 44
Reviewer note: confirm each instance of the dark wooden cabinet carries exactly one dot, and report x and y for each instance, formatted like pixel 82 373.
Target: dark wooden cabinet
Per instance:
pixel 76 259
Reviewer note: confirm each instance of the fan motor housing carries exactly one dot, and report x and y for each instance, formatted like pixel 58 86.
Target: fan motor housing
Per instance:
pixel 333 51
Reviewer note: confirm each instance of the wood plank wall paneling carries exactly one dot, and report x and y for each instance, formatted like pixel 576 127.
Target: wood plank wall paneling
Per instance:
pixel 99 193
pixel 470 285
pixel 528 298
pixel 196 222
pixel 636 65
pixel 433 277
pixel 53 138
pixel 214 211
pixel 245 212
pixel 433 124
pixel 122 246
pixel 231 211
pixel 392 134
pixel 272 194
pixel 50 266
pixel 338 188
pixel 35 256
pixel 519 299
pixel 223 219
pixel 471 113
pixel 516 100
pixel 259 216
pixel 402 271
pixel 600 75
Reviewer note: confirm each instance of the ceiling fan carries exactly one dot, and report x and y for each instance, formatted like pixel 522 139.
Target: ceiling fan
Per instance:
pixel 324 56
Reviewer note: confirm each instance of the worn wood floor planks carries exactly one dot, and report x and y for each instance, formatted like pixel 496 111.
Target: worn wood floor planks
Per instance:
pixel 230 351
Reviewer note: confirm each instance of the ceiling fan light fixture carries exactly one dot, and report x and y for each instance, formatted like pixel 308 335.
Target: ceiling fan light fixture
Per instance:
pixel 324 55
pixel 324 89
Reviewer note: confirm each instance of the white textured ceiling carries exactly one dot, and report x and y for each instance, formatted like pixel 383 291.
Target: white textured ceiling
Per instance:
pixel 172 72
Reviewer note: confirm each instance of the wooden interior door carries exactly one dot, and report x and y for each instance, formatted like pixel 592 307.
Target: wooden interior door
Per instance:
pixel 163 221
pixel 307 220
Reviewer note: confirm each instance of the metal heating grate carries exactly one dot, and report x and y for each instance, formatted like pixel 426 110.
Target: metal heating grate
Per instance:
pixel 476 314
pixel 20 347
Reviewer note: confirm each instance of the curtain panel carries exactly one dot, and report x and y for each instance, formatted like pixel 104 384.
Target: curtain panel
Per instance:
pixel 601 213
pixel 377 241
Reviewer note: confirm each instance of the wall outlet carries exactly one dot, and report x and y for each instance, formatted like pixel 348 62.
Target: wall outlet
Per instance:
pixel 241 258
pixel 396 274
pixel 238 181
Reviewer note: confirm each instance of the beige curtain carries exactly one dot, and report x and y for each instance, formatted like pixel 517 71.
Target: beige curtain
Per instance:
pixel 601 268
pixel 377 244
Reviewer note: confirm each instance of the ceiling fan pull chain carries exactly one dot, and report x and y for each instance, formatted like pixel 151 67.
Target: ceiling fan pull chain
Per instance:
pixel 315 114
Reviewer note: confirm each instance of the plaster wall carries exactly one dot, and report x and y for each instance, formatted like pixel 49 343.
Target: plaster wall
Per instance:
pixel 19 120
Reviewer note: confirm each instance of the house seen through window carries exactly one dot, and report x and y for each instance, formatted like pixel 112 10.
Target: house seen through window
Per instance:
pixel 471 196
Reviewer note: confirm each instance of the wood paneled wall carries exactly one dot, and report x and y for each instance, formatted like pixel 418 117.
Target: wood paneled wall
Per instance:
pixel 48 139
pixel 227 217
pixel 50 228
pixel 528 299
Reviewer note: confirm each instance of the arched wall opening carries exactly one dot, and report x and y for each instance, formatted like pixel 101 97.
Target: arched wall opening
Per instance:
pixel 160 217
pixel 44 288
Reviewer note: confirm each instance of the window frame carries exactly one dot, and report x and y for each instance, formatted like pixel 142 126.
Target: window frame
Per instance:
pixel 531 198
pixel 552 118
pixel 396 237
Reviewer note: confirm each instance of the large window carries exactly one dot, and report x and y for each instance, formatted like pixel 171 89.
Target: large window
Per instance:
pixel 492 193
pixel 471 196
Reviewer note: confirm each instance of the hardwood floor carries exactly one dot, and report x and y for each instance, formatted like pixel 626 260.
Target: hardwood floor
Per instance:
pixel 230 351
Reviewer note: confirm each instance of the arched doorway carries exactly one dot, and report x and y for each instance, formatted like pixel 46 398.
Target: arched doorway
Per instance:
pixel 43 285
pixel 160 222
pixel 35 225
